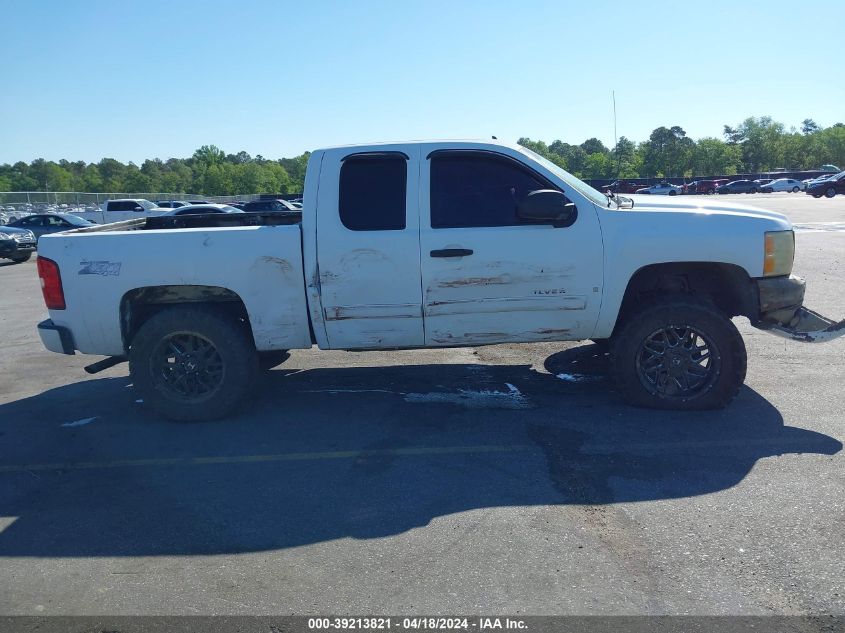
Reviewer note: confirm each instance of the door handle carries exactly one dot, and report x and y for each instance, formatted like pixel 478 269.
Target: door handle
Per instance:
pixel 451 252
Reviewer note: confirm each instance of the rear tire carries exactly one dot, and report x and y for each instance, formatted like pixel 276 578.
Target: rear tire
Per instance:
pixel 830 192
pixel 679 353
pixel 192 363
pixel 20 259
pixel 796 189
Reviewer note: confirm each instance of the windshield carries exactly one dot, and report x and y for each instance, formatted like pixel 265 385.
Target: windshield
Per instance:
pixel 579 186
pixel 75 219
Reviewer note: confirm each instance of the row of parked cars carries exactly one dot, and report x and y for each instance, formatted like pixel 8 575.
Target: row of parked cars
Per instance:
pixel 828 185
pixel 261 205
pixel 22 228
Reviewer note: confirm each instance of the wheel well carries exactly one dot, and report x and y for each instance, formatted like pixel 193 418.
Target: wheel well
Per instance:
pixel 728 286
pixel 138 305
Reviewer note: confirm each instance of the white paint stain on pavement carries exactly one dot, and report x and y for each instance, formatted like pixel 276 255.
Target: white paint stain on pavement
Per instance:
pixel 578 377
pixel 485 399
pixel 81 422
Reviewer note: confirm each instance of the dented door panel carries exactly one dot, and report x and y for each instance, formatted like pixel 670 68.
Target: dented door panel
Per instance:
pixel 368 280
pixel 523 282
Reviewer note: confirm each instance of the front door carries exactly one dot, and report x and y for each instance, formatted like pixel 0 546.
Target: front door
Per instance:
pixel 488 277
pixel 368 248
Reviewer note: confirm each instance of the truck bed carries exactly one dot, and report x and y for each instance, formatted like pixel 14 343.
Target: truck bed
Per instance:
pixel 256 256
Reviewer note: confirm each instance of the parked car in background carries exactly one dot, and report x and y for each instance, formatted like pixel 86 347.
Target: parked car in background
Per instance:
pixel 202 209
pixel 122 209
pixel 170 204
pixel 707 187
pixel 782 184
pixel 622 186
pixel 46 223
pixel 828 187
pixel 739 186
pixel 762 182
pixel 662 189
pixel 12 213
pixel 197 202
pixel 16 244
pixel 811 181
pixel 830 168
pixel 3 218
pixel 280 206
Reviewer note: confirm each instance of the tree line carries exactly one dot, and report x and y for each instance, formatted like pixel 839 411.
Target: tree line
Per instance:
pixel 755 145
pixel 210 171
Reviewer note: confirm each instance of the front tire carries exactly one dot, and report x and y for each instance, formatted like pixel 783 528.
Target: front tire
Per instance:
pixel 796 189
pixel 679 353
pixel 192 363
pixel 20 259
pixel 673 193
pixel 830 192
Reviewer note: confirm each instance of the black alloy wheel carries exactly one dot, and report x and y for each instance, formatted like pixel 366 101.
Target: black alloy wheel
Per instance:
pixel 677 362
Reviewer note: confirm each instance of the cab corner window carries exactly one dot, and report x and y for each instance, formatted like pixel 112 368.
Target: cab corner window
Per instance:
pixel 372 192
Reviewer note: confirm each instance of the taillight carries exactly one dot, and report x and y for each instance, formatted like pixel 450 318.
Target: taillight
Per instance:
pixel 51 284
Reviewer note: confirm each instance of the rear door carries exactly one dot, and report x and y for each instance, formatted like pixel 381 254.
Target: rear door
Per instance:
pixel 368 247
pixel 488 277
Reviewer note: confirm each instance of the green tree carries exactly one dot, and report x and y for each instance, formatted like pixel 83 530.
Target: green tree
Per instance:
pixel 209 155
pixel 808 126
pixel 667 152
pixel 712 156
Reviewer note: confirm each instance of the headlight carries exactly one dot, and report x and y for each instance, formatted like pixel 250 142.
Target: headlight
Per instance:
pixel 5 236
pixel 779 253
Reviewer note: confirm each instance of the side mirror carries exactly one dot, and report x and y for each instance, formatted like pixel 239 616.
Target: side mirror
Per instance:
pixel 547 205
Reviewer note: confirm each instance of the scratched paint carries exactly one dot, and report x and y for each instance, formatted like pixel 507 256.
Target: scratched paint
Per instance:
pixel 282 264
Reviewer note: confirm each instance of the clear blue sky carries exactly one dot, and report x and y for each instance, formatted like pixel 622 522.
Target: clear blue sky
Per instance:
pixel 132 80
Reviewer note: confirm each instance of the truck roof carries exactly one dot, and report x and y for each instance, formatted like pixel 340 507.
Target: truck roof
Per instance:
pixel 445 141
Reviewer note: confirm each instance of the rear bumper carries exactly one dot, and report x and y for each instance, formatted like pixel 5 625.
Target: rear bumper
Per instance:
pixel 56 338
pixel 782 312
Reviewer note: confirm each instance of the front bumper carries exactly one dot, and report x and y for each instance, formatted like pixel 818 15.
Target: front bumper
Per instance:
pixel 782 312
pixel 56 338
pixel 11 248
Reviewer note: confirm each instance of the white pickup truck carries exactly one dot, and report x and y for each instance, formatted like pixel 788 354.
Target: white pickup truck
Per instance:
pixel 428 244
pixel 121 209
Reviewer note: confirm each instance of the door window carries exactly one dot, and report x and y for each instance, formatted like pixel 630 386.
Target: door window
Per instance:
pixel 372 192
pixel 475 189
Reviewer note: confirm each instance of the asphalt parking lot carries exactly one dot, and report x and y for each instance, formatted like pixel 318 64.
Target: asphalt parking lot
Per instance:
pixel 472 480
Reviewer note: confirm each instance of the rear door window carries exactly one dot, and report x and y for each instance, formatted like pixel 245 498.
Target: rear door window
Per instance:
pixel 373 191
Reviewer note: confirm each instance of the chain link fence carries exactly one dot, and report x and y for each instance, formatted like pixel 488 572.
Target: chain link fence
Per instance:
pixel 41 200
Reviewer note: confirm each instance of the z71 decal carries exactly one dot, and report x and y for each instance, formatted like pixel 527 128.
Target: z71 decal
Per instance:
pixel 100 268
